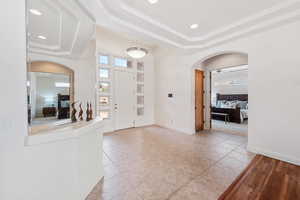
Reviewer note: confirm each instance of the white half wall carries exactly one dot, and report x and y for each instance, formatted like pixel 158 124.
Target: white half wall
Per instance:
pixel 17 165
pixel 273 89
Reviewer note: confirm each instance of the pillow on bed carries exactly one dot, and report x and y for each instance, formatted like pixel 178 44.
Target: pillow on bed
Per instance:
pixel 242 104
pixel 220 104
pixel 228 104
pixel 232 104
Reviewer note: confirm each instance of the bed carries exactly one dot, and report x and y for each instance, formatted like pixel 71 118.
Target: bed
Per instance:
pixel 234 105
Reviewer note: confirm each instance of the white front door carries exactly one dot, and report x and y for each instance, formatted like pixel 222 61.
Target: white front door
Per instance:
pixel 125 99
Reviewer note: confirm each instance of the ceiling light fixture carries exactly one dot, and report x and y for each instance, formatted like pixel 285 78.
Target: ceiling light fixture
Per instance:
pixel 136 52
pixel 194 26
pixel 42 37
pixel 152 1
pixel 35 12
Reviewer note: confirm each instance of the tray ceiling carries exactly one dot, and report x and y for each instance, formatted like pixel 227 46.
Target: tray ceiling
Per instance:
pixel 65 24
pixel 169 21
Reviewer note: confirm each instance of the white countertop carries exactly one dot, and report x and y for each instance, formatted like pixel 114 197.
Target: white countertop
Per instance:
pixel 39 135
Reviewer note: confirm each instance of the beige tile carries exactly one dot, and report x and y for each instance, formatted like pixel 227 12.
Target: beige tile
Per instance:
pixel 159 190
pixel 232 163
pixel 199 189
pixel 130 195
pixel 245 157
pixel 221 175
pixel 157 163
pixel 115 187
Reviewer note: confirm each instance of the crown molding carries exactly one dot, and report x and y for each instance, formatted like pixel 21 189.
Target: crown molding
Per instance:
pixel 43 46
pixel 261 21
pixel 249 31
pixel 86 11
pixel 151 21
pixel 132 26
pixel 49 53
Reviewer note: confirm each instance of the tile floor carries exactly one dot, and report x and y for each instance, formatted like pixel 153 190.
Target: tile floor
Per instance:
pixel 153 163
pixel 240 129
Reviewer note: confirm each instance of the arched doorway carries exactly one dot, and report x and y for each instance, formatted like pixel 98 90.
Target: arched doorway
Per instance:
pixel 217 62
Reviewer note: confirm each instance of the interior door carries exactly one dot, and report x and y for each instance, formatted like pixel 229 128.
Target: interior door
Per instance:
pixel 125 99
pixel 199 100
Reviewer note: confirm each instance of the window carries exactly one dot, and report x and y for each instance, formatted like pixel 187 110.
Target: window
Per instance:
pixel 104 101
pixel 140 88
pixel 120 62
pixel 140 66
pixel 104 60
pixel 104 114
pixel 140 111
pixel 140 77
pixel 104 87
pixel 104 73
pixel 140 100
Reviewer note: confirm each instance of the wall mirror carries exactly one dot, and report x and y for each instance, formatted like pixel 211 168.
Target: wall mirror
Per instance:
pixel 60 61
pixel 50 94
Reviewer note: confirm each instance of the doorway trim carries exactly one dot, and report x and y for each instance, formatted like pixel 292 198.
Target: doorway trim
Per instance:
pixel 199 65
pixel 199 100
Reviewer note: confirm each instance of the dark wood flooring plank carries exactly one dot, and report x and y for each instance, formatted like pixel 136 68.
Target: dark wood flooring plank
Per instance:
pixel 266 179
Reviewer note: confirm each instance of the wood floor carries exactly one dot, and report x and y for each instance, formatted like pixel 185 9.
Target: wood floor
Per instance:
pixel 266 179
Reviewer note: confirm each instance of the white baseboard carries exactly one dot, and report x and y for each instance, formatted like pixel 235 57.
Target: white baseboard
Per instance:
pixel 275 155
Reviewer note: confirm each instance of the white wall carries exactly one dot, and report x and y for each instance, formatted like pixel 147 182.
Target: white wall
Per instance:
pixel 13 105
pixel 172 76
pixel 221 83
pixel 273 84
pixel 113 44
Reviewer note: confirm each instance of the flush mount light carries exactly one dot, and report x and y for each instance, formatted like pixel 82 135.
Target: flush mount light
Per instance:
pixel 42 37
pixel 136 52
pixel 35 12
pixel 152 1
pixel 194 26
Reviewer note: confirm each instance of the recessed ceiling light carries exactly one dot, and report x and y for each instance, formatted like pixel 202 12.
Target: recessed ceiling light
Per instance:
pixel 42 37
pixel 152 1
pixel 35 12
pixel 194 26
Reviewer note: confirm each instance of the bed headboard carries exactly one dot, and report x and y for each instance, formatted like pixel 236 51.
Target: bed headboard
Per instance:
pixel 232 97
